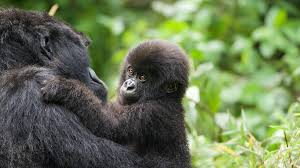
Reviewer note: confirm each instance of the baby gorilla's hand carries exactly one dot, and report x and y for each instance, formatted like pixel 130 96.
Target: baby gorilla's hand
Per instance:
pixel 56 89
pixel 68 92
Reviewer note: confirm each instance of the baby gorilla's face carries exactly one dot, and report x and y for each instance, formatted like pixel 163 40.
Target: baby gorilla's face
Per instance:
pixel 134 86
pixel 142 84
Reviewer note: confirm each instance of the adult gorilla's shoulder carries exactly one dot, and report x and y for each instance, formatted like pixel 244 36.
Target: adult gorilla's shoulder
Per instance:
pixel 34 45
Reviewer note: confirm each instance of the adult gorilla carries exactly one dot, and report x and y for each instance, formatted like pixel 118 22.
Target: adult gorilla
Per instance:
pixel 33 133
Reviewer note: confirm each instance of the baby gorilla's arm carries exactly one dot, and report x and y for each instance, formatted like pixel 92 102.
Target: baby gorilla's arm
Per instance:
pixel 104 120
pixel 113 121
pixel 150 122
pixel 76 97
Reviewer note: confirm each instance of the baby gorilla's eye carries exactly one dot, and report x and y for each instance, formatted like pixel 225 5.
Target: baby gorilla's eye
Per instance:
pixel 142 78
pixel 130 71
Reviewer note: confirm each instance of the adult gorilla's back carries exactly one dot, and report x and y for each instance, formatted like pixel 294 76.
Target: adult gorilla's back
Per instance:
pixel 33 133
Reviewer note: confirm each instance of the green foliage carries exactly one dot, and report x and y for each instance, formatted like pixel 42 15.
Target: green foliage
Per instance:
pixel 245 68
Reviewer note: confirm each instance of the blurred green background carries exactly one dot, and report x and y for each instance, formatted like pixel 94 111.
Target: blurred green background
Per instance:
pixel 241 106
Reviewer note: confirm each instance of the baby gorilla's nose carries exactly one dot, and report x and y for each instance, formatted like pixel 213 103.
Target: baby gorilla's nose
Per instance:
pixel 129 92
pixel 130 85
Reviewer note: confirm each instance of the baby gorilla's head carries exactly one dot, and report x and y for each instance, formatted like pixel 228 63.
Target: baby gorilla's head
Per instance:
pixel 154 70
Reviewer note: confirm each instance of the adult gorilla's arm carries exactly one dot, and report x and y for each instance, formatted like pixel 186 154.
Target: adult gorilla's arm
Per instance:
pixel 47 133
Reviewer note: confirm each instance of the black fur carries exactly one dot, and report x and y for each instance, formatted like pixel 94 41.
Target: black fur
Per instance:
pixel 33 134
pixel 151 124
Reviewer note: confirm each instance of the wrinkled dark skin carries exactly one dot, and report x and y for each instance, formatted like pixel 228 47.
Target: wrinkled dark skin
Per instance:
pixel 34 134
pixel 147 115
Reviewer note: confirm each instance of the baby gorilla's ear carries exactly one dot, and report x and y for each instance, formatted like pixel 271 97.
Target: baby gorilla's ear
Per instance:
pixel 171 87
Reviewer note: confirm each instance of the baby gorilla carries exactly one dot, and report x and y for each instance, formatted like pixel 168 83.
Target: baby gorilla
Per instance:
pixel 148 115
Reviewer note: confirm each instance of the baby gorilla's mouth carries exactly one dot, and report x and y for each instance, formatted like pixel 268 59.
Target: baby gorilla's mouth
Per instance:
pixel 128 97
